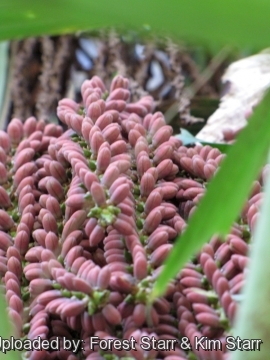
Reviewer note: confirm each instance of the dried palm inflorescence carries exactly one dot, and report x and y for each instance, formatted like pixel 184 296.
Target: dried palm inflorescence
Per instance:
pixel 87 218
pixel 45 68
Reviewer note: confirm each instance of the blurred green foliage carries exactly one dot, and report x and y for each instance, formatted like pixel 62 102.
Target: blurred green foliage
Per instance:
pixel 243 22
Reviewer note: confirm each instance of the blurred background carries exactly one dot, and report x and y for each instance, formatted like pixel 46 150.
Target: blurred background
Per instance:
pixel 184 79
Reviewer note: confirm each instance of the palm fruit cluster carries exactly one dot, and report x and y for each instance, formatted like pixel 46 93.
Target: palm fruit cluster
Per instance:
pixel 87 218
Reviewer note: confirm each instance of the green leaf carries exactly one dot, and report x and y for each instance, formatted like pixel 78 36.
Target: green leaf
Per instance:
pixel 188 139
pixel 241 22
pixel 252 322
pixel 5 328
pixel 224 148
pixel 225 195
